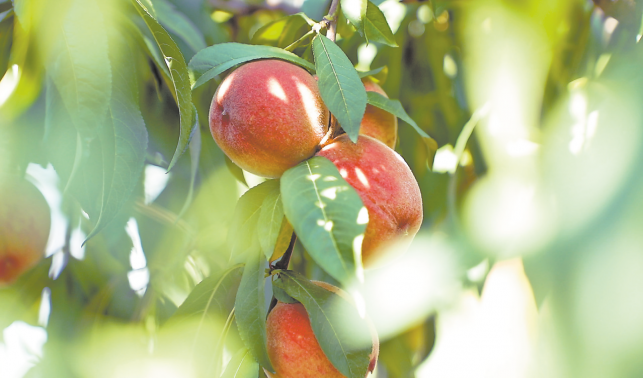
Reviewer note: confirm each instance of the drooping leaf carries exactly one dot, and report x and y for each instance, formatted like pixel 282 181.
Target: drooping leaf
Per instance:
pixel 213 60
pixel 355 12
pixel 180 79
pixel 339 85
pixel 376 29
pixel 195 154
pixel 394 107
pixel 211 294
pixel 363 74
pixel 342 334
pixel 327 214
pixel 250 306
pixel 243 229
pixel 270 221
pixel 242 365
pixel 80 67
pixel 124 140
pixel 176 22
pixel 236 171
pixel 282 32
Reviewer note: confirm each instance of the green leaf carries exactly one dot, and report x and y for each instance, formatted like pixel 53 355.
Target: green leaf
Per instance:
pixel 250 306
pixel 328 216
pixel 179 24
pixel 124 138
pixel 394 107
pixel 6 39
pixel 282 32
pixel 180 79
pixel 5 6
pixel 282 296
pixel 283 240
pixel 355 12
pixel 243 228
pixel 376 29
pixel 339 85
pixel 195 154
pixel 363 74
pixel 211 294
pixel 342 334
pixel 214 60
pixel 235 170
pixel 270 220
pixel 241 366
pixel 80 66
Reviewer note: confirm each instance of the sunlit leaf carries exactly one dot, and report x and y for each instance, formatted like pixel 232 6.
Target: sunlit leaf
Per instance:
pixel 394 107
pixel 283 240
pixel 376 29
pixel 214 60
pixel 270 220
pixel 242 365
pixel 250 306
pixel 282 32
pixel 339 85
pixel 342 334
pixel 195 155
pixel 355 12
pixel 236 171
pixel 6 37
pixel 327 215
pixel 180 78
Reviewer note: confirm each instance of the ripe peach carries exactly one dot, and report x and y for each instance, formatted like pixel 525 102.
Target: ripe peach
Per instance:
pixel 387 187
pixel 24 228
pixel 293 348
pixel 378 123
pixel 268 116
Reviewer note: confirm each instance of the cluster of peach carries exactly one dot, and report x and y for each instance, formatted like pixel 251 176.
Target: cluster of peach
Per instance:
pixel 268 116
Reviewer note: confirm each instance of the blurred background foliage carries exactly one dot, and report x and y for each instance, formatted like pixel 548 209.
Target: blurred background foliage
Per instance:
pixel 535 111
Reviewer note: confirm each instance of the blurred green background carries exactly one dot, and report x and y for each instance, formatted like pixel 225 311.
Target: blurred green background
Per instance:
pixel 530 259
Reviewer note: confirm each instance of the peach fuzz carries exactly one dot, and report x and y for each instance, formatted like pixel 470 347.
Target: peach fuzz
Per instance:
pixel 24 228
pixel 386 186
pixel 268 116
pixel 378 123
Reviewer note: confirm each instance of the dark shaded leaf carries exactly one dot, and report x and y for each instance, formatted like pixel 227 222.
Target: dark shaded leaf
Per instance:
pixel 339 85
pixel 214 60
pixel 327 214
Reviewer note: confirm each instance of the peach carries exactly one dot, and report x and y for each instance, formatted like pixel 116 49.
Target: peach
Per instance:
pixel 378 123
pixel 293 348
pixel 268 116
pixel 386 186
pixel 24 228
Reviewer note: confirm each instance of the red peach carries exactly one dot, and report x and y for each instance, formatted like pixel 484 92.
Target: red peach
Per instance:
pixel 24 228
pixel 268 116
pixel 386 186
pixel 378 123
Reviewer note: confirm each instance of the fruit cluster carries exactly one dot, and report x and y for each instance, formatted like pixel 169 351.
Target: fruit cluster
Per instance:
pixel 268 116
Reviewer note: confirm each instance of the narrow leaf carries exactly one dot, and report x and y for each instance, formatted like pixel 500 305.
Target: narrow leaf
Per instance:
pixel 211 294
pixel 242 365
pixel 339 85
pixel 180 78
pixel 283 240
pixel 363 74
pixel 243 227
pixel 376 29
pixel 179 24
pixel 236 171
pixel 355 12
pixel 213 60
pixel 250 306
pixel 80 67
pixel 124 140
pixel 327 214
pixel 270 220
pixel 342 334
pixel 394 107
pixel 282 32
